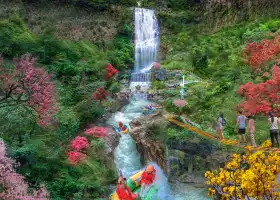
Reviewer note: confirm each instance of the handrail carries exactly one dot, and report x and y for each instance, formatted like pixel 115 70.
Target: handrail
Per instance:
pixel 211 136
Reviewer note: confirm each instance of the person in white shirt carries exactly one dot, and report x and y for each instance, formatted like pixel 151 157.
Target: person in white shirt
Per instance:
pixel 273 122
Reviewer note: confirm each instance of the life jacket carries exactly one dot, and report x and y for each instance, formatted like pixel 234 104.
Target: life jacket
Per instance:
pixel 148 178
pixel 124 194
pixel 124 128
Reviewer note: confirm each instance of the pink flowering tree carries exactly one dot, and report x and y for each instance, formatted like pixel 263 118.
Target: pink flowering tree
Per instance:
pixel 29 86
pixel 13 185
pixel 97 131
pixel 79 143
pixel 180 103
pixel 75 157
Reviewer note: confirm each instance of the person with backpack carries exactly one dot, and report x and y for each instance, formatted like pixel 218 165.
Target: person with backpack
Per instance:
pixel 251 126
pixel 221 122
pixel 273 121
pixel 241 123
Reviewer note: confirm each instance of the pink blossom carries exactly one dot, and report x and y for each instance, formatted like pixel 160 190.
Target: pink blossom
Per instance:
pixel 75 157
pixel 97 131
pixel 79 143
pixel 156 65
pixel 266 74
pixel 179 102
pixel 13 184
pixel 30 86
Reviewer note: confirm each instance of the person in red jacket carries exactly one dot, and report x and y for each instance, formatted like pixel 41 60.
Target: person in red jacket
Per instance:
pixel 122 127
pixel 147 178
pixel 123 191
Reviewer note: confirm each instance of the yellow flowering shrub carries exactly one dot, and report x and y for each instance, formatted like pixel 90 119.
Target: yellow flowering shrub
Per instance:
pixel 266 144
pixel 251 175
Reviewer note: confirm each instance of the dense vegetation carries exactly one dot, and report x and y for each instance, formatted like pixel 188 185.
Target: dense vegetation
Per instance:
pixel 78 74
pixel 217 55
pixel 74 40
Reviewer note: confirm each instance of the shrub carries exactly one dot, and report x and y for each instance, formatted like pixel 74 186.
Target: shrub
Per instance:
pixel 68 121
pixel 158 85
pixel 79 143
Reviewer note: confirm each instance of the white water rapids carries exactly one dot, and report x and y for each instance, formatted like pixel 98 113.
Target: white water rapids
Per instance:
pixel 127 159
pixel 146 39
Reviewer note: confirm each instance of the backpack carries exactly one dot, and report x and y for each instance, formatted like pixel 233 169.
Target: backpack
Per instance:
pixel 224 122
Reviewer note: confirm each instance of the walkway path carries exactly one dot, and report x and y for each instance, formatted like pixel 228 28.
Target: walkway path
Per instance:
pixel 212 136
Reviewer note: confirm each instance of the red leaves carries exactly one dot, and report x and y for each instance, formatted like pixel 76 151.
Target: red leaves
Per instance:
pixel 156 65
pixel 79 143
pixel 263 97
pixel 110 71
pixel 260 53
pixel 29 86
pixel 97 131
pixel 75 157
pixel 12 184
pixel 100 94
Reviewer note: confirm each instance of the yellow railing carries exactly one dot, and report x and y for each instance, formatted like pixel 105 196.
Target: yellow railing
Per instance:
pixel 211 136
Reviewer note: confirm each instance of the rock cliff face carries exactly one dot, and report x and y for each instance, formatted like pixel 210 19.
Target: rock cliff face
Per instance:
pixel 149 138
pixel 184 159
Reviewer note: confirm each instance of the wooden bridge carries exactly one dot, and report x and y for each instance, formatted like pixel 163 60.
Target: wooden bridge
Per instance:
pixel 213 137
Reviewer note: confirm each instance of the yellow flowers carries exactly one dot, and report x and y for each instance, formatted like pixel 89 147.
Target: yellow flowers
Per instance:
pixel 266 144
pixel 211 192
pixel 251 175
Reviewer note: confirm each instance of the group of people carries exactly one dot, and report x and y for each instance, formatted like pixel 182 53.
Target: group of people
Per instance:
pixel 146 181
pixel 149 107
pixel 241 125
pixel 122 127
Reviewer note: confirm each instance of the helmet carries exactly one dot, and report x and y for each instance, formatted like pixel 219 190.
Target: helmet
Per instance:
pixel 150 168
pixel 120 124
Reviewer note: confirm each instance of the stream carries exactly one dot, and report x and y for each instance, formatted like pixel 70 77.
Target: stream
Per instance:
pixel 127 159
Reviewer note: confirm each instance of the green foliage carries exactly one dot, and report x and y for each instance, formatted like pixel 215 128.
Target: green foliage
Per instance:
pixel 158 131
pixel 88 110
pixel 115 88
pixel 17 123
pixel 16 39
pixel 123 54
pixel 68 121
pixel 78 68
pixel 158 85
pixel 98 5
pixel 170 93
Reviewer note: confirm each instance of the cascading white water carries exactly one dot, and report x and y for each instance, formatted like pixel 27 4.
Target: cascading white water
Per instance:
pixel 146 47
pixel 127 158
pixel 146 39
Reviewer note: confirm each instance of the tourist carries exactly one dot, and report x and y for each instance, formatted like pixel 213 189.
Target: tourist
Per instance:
pixel 220 126
pixel 147 178
pixel 149 107
pixel 123 191
pixel 122 127
pixel 251 126
pixel 273 121
pixel 241 123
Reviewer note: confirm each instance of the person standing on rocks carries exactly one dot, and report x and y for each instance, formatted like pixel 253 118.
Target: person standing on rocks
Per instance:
pixel 241 123
pixel 251 126
pixel 273 121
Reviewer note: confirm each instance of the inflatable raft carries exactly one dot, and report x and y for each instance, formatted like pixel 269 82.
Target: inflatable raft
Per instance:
pixel 134 184
pixel 122 131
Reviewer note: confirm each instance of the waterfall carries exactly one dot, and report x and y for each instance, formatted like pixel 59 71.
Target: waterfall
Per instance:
pixel 146 39
pixel 146 46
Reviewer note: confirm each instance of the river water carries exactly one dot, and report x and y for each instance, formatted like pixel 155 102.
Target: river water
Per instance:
pixel 127 159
